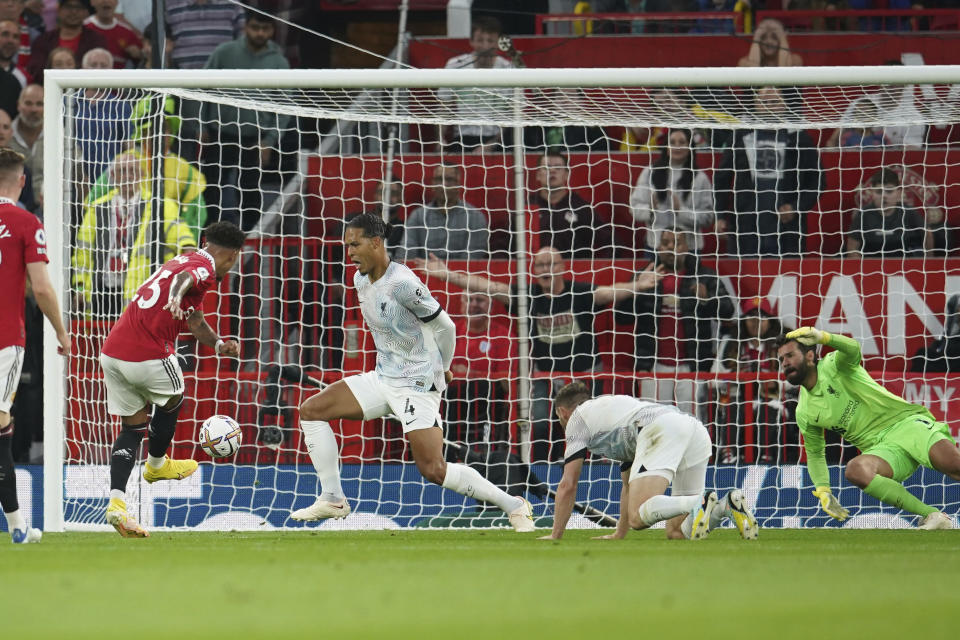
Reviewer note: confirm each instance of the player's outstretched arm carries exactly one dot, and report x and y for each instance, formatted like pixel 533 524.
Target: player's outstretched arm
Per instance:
pixel 623 524
pixel 566 495
pixel 847 348
pixel 204 333
pixel 47 301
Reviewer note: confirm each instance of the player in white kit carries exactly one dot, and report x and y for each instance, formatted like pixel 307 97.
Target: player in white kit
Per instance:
pixel 415 341
pixel 658 446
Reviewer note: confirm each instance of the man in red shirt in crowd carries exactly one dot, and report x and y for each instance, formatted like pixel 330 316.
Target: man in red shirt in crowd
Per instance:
pixel 71 34
pixel 23 248
pixel 482 362
pixel 140 366
pixel 122 41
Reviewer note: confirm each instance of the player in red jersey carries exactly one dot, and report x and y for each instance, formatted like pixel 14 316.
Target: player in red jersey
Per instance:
pixel 140 366
pixel 23 254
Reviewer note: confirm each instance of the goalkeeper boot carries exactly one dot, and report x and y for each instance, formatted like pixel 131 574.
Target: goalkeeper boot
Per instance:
pixel 321 510
pixel 170 470
pixel 521 518
pixel 742 516
pixel 700 515
pixel 936 520
pixel 26 535
pixel 122 521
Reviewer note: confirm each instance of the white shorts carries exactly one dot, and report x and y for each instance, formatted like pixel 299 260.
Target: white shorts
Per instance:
pixel 676 446
pixel 131 386
pixel 11 363
pixel 414 409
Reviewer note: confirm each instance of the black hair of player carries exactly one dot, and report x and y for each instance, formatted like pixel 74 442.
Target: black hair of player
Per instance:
pixel 782 339
pixel 372 225
pixel 572 395
pixel 224 234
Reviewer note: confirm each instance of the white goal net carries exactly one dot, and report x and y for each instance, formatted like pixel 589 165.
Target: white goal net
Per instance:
pixel 648 232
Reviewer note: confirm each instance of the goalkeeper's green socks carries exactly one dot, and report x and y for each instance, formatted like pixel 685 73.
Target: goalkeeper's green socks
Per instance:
pixel 893 493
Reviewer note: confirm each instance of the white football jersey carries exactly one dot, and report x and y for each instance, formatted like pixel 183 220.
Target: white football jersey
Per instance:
pixel 608 426
pixel 396 307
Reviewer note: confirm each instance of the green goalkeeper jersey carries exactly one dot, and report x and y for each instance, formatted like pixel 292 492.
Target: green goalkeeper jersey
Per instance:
pixel 846 400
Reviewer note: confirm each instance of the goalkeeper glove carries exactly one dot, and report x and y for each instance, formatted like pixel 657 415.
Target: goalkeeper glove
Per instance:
pixel 830 504
pixel 809 336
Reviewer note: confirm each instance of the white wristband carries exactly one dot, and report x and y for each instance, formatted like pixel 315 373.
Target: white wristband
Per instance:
pixel 216 347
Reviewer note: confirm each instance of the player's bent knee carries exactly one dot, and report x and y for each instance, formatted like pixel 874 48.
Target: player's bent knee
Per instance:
pixel 859 474
pixel 433 471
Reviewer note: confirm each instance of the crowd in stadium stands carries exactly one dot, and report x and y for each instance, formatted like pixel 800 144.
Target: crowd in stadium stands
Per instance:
pixel 222 162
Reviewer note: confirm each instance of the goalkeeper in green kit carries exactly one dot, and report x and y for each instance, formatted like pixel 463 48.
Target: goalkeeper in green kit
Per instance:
pixel 893 435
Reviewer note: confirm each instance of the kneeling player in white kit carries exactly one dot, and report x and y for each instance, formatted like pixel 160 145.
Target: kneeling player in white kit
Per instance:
pixel 415 341
pixel 658 446
pixel 140 367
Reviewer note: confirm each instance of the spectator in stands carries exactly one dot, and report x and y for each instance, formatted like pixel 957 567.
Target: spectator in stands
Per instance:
pixel 27 135
pixel 566 221
pixel 146 60
pixel 242 147
pixel 112 257
pixel 182 181
pixel 473 102
pixel 477 402
pixel 71 34
pixel 200 26
pixel 562 313
pixel 675 321
pixel 61 58
pixel 446 226
pixel 27 28
pixel 767 182
pixel 770 47
pixel 705 25
pixel 892 104
pixel 12 78
pixel 887 228
pixel 673 194
pixel 750 349
pixel 102 120
pixel 670 104
pixel 866 136
pixel 123 41
pixel 27 199
pixel 942 355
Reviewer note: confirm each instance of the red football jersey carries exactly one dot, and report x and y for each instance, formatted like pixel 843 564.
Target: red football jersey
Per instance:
pixel 145 331
pixel 118 36
pixel 21 242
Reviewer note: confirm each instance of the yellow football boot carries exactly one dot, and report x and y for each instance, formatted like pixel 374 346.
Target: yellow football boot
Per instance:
pixel 171 470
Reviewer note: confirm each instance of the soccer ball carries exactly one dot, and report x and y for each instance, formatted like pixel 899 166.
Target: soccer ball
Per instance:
pixel 220 436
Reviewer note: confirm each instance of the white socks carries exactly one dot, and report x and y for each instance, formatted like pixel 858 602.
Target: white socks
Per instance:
pixel 15 521
pixel 468 482
pixel 325 456
pixel 659 508
pixel 154 462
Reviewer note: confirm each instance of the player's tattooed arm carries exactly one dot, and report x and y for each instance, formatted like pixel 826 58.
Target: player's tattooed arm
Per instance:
pixel 178 288
pixel 204 333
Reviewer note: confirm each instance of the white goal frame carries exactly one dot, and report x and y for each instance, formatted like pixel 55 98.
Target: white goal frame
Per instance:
pixel 55 188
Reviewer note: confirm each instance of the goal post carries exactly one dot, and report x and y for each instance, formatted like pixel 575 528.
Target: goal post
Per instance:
pixel 290 300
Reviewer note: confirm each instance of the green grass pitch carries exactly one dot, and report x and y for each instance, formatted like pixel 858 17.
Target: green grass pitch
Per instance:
pixel 483 584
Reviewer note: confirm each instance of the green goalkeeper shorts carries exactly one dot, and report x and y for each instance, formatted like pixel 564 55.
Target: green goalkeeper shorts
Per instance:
pixel 906 444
